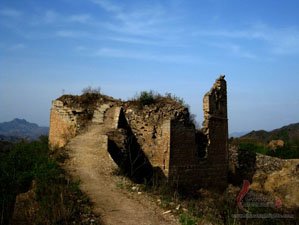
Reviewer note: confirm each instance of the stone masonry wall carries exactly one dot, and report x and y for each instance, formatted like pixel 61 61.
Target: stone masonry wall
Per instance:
pixel 215 127
pixel 70 114
pixel 187 168
pixel 63 124
pixel 168 139
pixel 151 126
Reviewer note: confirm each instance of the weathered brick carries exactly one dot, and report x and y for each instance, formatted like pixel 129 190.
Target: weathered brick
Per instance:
pixel 163 130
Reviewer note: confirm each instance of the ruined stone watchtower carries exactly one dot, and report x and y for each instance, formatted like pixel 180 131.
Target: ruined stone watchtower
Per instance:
pixel 215 125
pixel 163 134
pixel 200 158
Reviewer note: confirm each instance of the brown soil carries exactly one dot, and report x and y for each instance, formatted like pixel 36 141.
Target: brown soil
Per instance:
pixel 90 162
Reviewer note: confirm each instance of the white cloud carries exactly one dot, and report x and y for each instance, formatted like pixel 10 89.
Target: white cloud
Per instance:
pixel 17 46
pixel 284 41
pixel 71 33
pixel 129 54
pixel 141 41
pixel 80 48
pixel 53 17
pixel 248 34
pixel 233 49
pixel 277 40
pixel 108 6
pixel 8 12
pixel 141 21
pixel 80 18
pixel 50 16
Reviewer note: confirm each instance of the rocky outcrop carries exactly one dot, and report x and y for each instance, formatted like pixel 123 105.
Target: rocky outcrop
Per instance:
pixel 275 144
pixel 277 178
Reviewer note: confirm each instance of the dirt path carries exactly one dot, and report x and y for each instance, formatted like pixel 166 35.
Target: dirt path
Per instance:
pixel 90 162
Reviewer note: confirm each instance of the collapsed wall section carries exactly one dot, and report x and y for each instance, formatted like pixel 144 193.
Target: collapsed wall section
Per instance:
pixel 70 114
pixel 188 166
pixel 215 127
pixel 151 126
pixel 163 132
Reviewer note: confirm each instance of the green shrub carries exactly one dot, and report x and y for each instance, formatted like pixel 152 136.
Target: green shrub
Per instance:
pixel 286 152
pixel 150 97
pixel 17 172
pixel 56 195
pixel 186 219
pixel 146 98
pixel 91 90
pixel 257 148
pixel 289 151
pixel 175 98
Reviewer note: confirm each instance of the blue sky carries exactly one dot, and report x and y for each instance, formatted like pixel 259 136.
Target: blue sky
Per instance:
pixel 61 46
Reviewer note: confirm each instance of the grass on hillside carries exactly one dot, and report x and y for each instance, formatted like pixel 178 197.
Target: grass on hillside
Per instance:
pixel 288 151
pixel 57 199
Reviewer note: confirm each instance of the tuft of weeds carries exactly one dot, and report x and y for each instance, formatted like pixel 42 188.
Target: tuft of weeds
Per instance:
pixel 187 219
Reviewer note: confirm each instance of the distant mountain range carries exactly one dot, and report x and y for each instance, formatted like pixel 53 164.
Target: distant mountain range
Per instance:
pixel 286 133
pixel 21 129
pixel 238 134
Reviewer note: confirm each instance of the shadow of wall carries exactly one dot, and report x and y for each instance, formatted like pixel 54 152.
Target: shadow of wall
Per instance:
pixel 127 153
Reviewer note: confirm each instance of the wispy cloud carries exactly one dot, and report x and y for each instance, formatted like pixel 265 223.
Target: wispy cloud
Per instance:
pixel 129 27
pixel 132 40
pixel 134 21
pixel 278 41
pixel 50 16
pixel 81 48
pixel 142 25
pixel 235 34
pixel 71 34
pixel 233 49
pixel 9 12
pixel 108 6
pixel 130 54
pixel 16 47
pixel 284 41
pixel 12 47
pixel 80 18
pixel 54 17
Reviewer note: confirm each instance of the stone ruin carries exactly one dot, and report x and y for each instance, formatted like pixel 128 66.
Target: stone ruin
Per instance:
pixel 159 138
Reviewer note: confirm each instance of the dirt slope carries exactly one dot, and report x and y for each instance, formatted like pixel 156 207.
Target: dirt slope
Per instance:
pixel 90 162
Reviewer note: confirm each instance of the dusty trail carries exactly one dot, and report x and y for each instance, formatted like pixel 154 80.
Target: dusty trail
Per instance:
pixel 89 161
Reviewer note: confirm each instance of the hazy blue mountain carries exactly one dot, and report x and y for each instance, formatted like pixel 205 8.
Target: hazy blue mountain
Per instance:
pixel 238 134
pixel 21 129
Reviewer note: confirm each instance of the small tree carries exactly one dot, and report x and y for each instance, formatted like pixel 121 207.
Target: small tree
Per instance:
pixel 91 90
pixel 146 98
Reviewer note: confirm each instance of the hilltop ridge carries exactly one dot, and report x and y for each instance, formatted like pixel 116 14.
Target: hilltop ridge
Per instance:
pixel 286 133
pixel 21 129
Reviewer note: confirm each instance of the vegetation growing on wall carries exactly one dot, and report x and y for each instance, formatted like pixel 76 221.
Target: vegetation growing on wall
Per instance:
pixel 91 90
pixel 150 97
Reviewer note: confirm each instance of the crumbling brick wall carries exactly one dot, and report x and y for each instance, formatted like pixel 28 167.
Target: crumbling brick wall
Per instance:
pixel 63 124
pixel 186 156
pixel 188 167
pixel 215 127
pixel 70 114
pixel 151 125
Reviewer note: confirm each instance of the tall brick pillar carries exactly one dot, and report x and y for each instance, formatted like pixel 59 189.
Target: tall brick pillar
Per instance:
pixel 215 127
